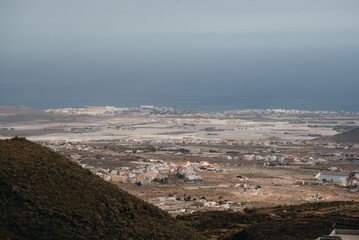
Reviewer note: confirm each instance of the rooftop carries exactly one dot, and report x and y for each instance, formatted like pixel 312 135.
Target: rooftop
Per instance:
pixel 341 234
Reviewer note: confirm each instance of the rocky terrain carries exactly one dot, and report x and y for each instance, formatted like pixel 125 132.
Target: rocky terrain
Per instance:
pixel 45 196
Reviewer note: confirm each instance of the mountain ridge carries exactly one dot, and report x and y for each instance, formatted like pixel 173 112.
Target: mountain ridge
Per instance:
pixel 46 196
pixel 349 137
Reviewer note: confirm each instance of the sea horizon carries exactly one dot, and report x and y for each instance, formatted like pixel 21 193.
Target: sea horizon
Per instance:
pixel 161 54
pixel 203 109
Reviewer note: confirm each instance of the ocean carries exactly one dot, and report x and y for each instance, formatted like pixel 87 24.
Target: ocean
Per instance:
pixel 60 95
pixel 197 55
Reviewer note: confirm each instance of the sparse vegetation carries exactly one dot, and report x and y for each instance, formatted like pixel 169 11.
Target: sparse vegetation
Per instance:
pixel 306 221
pixel 43 195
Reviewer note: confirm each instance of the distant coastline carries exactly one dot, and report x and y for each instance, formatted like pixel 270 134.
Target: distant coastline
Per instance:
pixel 89 108
pixel 109 109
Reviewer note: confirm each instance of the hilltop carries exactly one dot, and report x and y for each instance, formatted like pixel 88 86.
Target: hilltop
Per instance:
pixel 350 137
pixel 43 195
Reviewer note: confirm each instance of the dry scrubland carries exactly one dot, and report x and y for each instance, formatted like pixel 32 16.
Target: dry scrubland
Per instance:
pixel 120 140
pixel 46 196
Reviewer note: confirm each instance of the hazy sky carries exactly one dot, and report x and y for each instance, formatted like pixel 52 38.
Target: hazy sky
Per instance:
pixel 185 53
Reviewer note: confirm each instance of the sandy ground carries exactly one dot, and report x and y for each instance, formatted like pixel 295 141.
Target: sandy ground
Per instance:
pixel 171 129
pixel 278 190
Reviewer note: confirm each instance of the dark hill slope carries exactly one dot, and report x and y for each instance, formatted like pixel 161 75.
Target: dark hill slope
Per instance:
pixel 305 222
pixel 349 137
pixel 45 196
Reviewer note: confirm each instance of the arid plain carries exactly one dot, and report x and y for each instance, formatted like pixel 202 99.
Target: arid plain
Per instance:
pixel 185 161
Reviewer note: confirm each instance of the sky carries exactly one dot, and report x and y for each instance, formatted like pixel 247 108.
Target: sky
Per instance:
pixel 193 54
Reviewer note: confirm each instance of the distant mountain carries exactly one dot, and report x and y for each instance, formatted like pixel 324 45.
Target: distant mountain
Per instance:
pixel 43 195
pixel 24 114
pixel 350 137
pixel 16 110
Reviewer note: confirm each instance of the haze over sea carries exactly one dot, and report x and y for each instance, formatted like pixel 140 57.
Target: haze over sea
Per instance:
pixel 73 95
pixel 191 54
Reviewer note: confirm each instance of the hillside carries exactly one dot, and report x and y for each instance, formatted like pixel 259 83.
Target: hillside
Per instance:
pixel 349 137
pixel 45 196
pixel 305 222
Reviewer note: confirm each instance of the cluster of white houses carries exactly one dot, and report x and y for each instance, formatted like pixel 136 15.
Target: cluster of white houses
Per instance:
pixel 157 170
pixel 175 205
pixel 278 158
